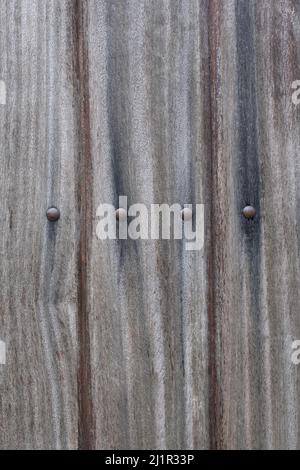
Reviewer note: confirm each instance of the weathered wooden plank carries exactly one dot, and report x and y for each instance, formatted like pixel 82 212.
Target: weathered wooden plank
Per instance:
pixel 255 291
pixel 148 84
pixel 38 276
pixel 142 344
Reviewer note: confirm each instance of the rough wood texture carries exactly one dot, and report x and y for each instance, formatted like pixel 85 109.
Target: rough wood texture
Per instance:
pixel 38 168
pixel 148 76
pixel 255 291
pixel 142 344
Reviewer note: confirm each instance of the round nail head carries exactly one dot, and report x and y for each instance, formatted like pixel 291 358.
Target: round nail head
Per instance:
pixel 121 214
pixel 53 214
pixel 186 214
pixel 249 212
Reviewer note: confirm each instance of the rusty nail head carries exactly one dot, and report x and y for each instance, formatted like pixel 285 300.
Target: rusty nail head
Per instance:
pixel 53 214
pixel 186 214
pixel 121 214
pixel 249 212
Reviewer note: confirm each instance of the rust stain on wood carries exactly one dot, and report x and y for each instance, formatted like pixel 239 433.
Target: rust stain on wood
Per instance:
pixel 85 403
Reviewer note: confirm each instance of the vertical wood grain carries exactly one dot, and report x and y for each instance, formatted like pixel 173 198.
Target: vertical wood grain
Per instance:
pixel 38 168
pixel 148 84
pixel 255 132
pixel 124 344
pixel 86 436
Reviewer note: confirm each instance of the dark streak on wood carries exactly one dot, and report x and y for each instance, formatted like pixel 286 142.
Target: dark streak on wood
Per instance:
pixel 85 405
pixel 248 165
pixel 117 112
pixel 248 175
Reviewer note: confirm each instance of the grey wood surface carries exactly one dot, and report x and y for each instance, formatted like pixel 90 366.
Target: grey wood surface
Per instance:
pixel 39 274
pixel 125 344
pixel 150 140
pixel 255 58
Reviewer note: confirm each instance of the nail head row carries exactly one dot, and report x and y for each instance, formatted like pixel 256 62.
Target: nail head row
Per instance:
pixel 53 213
